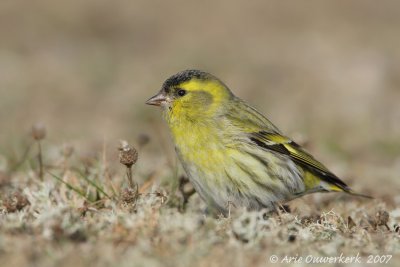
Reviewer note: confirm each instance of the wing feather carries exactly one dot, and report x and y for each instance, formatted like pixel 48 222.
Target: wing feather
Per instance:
pixel 283 145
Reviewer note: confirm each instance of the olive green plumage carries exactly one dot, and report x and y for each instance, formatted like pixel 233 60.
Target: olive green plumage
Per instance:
pixel 232 154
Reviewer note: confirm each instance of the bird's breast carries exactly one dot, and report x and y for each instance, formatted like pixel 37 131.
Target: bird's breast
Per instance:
pixel 201 145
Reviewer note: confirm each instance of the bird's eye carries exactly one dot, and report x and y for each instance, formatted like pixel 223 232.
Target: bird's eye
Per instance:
pixel 181 92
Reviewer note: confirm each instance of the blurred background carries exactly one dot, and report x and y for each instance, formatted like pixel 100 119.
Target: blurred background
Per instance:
pixel 325 72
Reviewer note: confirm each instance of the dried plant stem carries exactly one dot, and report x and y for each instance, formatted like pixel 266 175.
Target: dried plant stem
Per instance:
pixel 39 133
pixel 130 178
pixel 40 158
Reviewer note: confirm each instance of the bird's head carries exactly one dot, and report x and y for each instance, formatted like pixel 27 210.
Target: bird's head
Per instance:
pixel 191 94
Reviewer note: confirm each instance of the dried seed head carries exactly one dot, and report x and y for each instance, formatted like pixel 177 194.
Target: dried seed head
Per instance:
pixel 186 189
pixel 15 202
pixel 127 155
pixel 130 195
pixel 382 217
pixel 38 131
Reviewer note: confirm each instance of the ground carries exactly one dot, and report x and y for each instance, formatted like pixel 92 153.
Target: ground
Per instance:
pixel 79 72
pixel 82 221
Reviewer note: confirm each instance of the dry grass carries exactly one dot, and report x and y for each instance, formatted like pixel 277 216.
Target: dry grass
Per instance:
pixel 325 72
pixel 89 215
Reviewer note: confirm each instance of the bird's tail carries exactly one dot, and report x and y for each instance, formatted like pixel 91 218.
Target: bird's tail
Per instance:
pixel 351 192
pixel 348 190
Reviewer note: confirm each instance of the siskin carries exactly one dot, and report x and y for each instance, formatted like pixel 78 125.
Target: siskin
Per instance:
pixel 231 153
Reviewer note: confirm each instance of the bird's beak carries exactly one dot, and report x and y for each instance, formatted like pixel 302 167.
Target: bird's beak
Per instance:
pixel 157 100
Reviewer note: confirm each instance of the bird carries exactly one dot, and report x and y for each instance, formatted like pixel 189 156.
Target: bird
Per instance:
pixel 232 154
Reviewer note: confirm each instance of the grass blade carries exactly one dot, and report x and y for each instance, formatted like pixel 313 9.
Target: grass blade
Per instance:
pixel 73 188
pixel 98 187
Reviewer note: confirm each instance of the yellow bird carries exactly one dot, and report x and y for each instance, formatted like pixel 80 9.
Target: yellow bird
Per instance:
pixel 232 154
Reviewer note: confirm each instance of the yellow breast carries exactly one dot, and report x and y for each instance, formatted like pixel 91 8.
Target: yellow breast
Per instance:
pixel 201 145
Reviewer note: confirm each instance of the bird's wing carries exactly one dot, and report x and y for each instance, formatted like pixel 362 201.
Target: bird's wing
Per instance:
pixel 284 146
pixel 260 132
